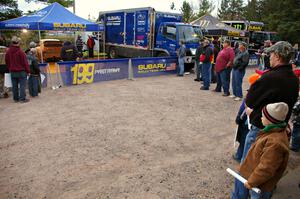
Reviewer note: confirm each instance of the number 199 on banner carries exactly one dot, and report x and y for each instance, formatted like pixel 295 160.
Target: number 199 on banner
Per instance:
pixel 83 73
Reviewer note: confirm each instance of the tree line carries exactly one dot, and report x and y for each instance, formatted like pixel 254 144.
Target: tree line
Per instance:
pixel 280 16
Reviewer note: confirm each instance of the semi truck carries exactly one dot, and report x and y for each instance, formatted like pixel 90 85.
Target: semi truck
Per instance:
pixel 144 32
pixel 256 34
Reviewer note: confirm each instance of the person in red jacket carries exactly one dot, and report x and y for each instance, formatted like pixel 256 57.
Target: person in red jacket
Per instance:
pixel 224 65
pixel 90 45
pixel 18 66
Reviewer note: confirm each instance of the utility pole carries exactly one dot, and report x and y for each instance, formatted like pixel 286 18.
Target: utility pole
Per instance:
pixel 74 6
pixel 74 14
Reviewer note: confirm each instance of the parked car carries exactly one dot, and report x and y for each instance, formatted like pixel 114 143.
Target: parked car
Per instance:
pixel 50 48
pixel 3 67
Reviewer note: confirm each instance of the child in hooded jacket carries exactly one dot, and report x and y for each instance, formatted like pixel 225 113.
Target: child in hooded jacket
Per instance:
pixel 267 158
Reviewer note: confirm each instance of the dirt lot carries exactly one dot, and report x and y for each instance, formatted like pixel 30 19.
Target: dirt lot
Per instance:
pixel 158 137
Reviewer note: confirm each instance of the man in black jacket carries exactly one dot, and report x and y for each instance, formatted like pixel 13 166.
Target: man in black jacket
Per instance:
pixel 68 52
pixel 279 84
pixel 206 59
pixel 240 63
pixel 197 61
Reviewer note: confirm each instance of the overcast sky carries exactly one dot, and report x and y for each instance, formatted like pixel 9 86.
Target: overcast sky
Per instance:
pixel 84 8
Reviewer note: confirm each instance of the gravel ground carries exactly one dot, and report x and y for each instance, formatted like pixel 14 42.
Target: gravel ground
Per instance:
pixel 158 137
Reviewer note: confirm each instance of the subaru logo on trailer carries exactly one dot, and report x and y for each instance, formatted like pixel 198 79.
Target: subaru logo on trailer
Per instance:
pixel 141 17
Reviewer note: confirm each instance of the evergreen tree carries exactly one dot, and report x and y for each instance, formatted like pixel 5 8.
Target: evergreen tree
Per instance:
pixel 65 3
pixel 187 12
pixel 205 6
pixel 253 10
pixel 236 9
pixel 172 6
pixel 223 11
pixel 283 17
pixel 9 9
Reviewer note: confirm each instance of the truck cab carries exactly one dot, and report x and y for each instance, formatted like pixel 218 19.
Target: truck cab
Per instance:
pixel 170 34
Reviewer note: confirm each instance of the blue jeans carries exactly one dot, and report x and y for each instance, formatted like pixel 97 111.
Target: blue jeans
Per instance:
pixel 219 83
pixel 241 192
pixel 250 139
pixel 199 70
pixel 18 93
pixel 33 85
pixel 225 79
pixel 206 74
pixel 180 69
pixel 262 195
pixel 296 137
pixel 237 81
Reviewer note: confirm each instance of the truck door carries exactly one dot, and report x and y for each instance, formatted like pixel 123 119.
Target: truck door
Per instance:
pixel 166 38
pixel 115 28
pixel 130 28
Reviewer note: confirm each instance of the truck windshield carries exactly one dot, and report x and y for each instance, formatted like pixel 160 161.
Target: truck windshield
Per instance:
pixel 198 32
pixel 259 37
pixel 187 34
pixel 274 37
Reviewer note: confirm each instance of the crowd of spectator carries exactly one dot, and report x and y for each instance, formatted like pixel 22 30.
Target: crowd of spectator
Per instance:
pixel 263 118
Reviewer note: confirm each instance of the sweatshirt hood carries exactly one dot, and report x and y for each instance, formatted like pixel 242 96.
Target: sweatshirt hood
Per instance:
pixel 14 49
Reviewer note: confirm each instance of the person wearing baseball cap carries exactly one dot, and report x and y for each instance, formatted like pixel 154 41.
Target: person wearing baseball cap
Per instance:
pixel 18 66
pixel 206 58
pixel 279 84
pixel 240 63
pixel 268 157
pixel 197 60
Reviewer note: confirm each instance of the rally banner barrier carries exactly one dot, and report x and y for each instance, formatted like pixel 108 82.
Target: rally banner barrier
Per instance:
pixel 147 67
pixel 86 72
pixel 44 74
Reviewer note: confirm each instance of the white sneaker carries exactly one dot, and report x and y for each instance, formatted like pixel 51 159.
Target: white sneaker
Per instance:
pixel 237 99
pixel 231 96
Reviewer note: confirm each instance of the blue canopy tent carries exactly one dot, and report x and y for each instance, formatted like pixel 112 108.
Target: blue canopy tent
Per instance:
pixel 52 17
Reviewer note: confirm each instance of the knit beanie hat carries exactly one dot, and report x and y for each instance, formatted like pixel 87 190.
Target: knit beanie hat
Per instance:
pixel 275 113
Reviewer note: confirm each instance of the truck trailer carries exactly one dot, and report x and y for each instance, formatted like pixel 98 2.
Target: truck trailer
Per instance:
pixel 144 32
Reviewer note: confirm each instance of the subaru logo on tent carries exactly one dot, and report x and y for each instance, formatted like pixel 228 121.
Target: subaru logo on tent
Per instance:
pixel 39 14
pixel 21 25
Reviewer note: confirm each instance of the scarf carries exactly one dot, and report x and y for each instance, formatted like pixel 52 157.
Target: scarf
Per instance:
pixel 270 127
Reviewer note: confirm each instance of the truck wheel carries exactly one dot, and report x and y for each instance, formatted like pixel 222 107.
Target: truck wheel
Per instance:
pixel 113 53
pixel 162 54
